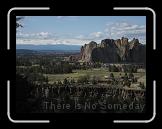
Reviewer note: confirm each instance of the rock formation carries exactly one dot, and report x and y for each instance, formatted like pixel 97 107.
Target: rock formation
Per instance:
pixel 114 51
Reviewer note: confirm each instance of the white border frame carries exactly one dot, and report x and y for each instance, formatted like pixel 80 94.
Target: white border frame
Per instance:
pixel 115 121
pixel 8 82
pixel 154 48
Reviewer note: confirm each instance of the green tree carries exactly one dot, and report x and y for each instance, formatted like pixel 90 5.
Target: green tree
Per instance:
pixel 126 77
pixel 23 96
pixel 94 80
pixel 65 82
pixel 131 76
pixel 111 75
pixel 17 22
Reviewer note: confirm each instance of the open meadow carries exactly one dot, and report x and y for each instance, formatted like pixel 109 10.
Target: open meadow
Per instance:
pixel 99 73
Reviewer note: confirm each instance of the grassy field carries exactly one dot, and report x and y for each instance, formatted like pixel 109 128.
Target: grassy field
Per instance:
pixel 99 73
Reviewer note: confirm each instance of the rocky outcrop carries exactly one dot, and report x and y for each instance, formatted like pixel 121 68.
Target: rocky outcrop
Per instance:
pixel 86 51
pixel 114 51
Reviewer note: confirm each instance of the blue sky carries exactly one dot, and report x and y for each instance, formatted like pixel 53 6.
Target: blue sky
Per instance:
pixel 78 30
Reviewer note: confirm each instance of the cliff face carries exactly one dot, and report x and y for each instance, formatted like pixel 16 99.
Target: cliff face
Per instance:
pixel 86 51
pixel 114 51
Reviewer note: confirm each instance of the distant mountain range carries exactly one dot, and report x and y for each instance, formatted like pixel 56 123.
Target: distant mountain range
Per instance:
pixel 61 47
pixel 26 51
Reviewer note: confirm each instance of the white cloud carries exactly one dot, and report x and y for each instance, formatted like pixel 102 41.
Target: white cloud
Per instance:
pixel 33 35
pixel 52 41
pixel 80 37
pixel 59 17
pixel 97 34
pixel 120 29
pixel 66 17
pixel 112 30
pixel 44 34
pixel 43 38
pixel 37 39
